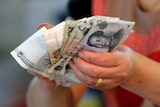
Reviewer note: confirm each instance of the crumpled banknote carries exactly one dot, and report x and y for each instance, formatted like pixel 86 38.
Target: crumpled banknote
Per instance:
pixel 48 51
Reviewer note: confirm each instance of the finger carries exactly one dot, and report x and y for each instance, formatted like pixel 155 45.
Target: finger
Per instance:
pixel 98 71
pixel 47 25
pixel 108 84
pixel 105 59
pixel 81 76
pixel 91 82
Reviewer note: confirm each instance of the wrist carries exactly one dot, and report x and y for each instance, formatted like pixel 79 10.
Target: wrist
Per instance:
pixel 134 71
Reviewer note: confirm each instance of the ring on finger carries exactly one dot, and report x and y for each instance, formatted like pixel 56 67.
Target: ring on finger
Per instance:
pixel 99 82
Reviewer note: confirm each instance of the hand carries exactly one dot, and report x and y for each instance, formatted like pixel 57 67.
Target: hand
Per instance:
pixel 112 67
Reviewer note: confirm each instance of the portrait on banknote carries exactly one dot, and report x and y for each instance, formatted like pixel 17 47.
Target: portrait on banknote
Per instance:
pixel 100 40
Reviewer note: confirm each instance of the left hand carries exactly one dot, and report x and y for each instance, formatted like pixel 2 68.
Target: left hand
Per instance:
pixel 112 67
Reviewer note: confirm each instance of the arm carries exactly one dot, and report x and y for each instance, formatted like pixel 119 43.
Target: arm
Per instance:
pixel 43 93
pixel 145 80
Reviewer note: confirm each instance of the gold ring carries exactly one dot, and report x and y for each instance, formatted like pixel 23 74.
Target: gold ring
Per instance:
pixel 99 82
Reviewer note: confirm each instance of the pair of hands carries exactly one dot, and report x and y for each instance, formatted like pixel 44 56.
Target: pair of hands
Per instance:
pixel 114 68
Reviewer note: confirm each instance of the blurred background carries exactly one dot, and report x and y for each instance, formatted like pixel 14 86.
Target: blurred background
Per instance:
pixel 18 21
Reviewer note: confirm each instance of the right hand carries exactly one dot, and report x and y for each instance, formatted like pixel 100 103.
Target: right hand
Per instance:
pixel 114 68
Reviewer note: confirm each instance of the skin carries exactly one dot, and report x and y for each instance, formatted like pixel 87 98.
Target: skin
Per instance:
pixel 122 67
pixel 44 93
pixel 150 5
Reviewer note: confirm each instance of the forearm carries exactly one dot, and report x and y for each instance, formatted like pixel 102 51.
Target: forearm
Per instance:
pixel 145 80
pixel 45 94
pixel 39 96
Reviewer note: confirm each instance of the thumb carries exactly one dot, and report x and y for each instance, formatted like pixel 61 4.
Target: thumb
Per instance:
pixel 47 25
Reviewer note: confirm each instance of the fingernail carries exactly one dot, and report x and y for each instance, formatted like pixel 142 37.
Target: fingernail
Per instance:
pixel 81 54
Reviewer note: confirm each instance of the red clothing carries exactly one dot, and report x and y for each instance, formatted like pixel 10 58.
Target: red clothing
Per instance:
pixel 146 43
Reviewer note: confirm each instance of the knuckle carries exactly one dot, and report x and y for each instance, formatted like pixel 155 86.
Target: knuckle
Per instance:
pixel 94 72
pixel 113 85
pixel 121 76
pixel 91 81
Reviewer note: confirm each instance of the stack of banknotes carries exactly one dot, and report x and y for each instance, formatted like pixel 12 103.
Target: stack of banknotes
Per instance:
pixel 48 51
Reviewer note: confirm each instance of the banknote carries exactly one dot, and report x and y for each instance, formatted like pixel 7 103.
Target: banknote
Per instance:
pixel 33 55
pixel 69 26
pixel 74 28
pixel 106 34
pixel 69 49
pixel 54 39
